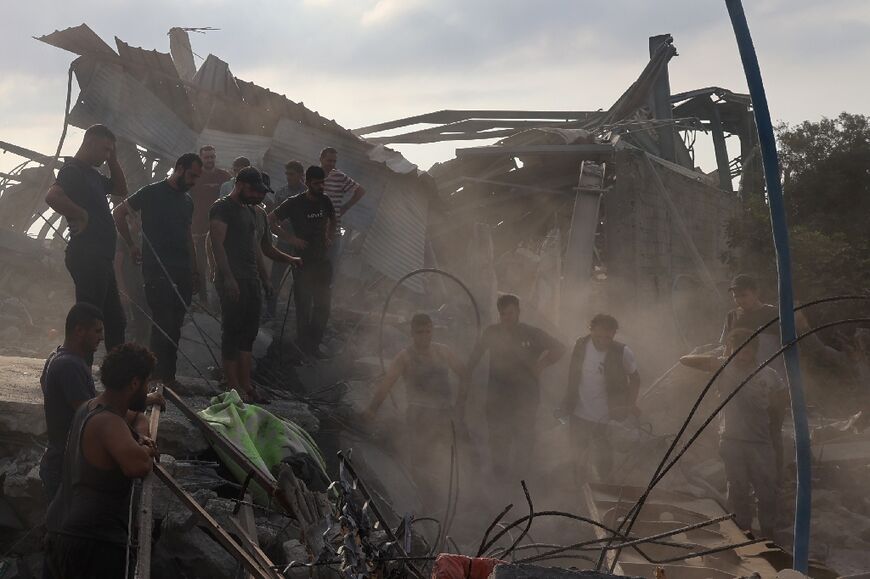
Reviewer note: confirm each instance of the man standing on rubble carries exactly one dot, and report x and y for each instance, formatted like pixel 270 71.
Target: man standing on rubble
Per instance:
pixel 295 174
pixel 425 367
pixel 87 521
pixel 167 255
pixel 750 314
pixel 204 194
pixel 745 442
pixel 80 194
pixel 232 228
pixel 312 217
pixel 239 163
pixel 603 384
pixel 337 186
pixel 518 353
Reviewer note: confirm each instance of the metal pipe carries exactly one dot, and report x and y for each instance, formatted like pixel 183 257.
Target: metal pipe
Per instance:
pixel 770 162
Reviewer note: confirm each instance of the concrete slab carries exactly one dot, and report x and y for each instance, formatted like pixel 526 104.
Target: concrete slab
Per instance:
pixel 21 409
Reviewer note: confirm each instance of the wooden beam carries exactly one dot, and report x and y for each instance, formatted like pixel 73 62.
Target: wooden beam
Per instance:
pixel 585 151
pixel 146 514
pixel 214 529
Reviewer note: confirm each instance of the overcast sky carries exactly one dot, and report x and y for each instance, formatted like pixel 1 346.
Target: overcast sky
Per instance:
pixel 367 61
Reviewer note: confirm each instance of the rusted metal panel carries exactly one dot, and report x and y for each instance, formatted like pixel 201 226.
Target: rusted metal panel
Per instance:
pixel 80 40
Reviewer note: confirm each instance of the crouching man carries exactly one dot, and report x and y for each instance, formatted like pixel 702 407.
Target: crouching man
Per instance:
pixel 745 442
pixel 603 384
pixel 87 521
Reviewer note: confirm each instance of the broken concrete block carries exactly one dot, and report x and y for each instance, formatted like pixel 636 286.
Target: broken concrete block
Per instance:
pixel 178 436
pixel 21 410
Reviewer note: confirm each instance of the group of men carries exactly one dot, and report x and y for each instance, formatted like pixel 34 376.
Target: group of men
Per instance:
pixel 201 226
pixel 601 393
pixel 184 229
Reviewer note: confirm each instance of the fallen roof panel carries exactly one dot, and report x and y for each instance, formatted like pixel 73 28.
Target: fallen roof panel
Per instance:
pixel 79 40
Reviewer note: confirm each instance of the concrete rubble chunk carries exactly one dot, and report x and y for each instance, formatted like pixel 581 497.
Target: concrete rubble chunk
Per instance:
pixel 21 409
pixel 178 436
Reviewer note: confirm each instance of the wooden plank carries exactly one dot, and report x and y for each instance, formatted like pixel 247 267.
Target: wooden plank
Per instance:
pixel 146 514
pixel 215 530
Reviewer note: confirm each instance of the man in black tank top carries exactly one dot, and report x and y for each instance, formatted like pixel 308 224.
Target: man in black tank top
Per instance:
pixel 425 367
pixel 87 521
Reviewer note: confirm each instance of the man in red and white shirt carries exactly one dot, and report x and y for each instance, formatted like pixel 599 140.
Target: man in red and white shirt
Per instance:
pixel 338 185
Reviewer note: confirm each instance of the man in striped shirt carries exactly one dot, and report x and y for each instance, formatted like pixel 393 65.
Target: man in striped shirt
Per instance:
pixel 337 186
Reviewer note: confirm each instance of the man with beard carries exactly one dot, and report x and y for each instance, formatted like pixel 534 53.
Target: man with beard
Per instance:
pixel 233 226
pixel 87 521
pixel 312 217
pixel 204 193
pixel 80 195
pixel 168 260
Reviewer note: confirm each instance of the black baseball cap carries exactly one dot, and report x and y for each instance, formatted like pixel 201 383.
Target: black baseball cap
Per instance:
pixel 743 282
pixel 251 176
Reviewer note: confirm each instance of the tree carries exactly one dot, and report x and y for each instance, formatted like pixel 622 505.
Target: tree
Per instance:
pixel 826 188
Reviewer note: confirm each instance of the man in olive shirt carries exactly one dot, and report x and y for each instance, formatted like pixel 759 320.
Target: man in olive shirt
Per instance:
pixel 518 353
pixel 312 216
pixel 80 194
pixel 232 229
pixel 167 255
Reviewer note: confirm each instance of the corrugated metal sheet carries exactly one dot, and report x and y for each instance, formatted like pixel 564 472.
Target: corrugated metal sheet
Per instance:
pixel 228 146
pixel 117 100
pixel 79 40
pixel 214 76
pixel 156 71
pixel 396 240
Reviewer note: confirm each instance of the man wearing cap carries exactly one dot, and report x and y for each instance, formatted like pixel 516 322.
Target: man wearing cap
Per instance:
pixel 312 217
pixel 239 163
pixel 232 229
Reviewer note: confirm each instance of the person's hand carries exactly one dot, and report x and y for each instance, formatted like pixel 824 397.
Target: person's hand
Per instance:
pixel 149 445
pixel 136 254
pixel 156 399
pixel 231 289
pixel 78 223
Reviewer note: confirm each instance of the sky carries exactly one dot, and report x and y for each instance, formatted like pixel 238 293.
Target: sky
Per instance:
pixel 362 62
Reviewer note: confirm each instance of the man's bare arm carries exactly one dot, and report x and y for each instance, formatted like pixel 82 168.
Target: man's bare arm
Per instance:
pixel 218 234
pixel 135 460
pixel 358 194
pixel 119 180
pixel 75 215
pixel 382 390
pixel 283 234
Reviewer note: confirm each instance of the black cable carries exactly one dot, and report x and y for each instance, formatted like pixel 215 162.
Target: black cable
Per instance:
pixel 483 544
pixel 396 287
pixel 528 524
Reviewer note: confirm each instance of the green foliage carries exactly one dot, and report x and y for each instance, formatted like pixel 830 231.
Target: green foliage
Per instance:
pixel 826 187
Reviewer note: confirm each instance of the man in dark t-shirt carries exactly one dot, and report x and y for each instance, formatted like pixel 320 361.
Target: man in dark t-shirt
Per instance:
pixel 518 353
pixel 67 382
pixel 80 195
pixel 312 216
pixel 234 240
pixel 167 255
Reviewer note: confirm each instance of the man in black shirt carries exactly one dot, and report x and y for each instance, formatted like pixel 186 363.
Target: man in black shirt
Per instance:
pixel 232 230
pixel 168 260
pixel 80 195
pixel 67 382
pixel 518 353
pixel 312 217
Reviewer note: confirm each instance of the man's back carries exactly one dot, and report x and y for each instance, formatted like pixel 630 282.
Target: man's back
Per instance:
pixel 89 189
pixel 166 219
pixel 239 241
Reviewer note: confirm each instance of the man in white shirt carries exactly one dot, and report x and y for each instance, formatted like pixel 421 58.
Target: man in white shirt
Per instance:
pixel 603 384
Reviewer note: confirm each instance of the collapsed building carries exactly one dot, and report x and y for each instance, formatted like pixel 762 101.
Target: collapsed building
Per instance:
pixel 574 211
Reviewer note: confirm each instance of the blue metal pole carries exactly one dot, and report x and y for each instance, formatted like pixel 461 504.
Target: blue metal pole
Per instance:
pixel 770 161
